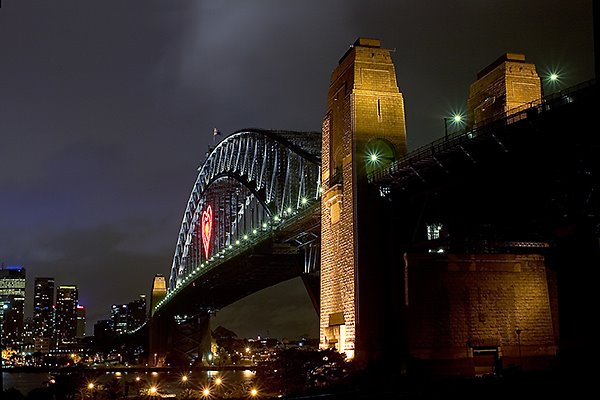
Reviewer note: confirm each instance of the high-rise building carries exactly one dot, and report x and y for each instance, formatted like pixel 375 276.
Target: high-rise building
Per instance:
pixel 159 291
pixel 118 314
pixel 80 321
pixel 43 308
pixel 66 313
pixel 28 332
pixel 103 329
pixel 137 312
pixel 12 303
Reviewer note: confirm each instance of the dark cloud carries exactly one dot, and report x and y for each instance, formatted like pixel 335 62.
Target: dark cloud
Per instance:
pixel 107 109
pixel 109 264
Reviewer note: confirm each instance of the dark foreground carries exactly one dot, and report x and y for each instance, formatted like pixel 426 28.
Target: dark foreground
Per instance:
pixel 379 385
pixel 514 385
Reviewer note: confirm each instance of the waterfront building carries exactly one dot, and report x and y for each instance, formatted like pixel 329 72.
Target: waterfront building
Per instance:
pixel 12 303
pixel 43 307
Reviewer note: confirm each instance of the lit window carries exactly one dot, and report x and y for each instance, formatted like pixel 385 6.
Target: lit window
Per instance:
pixel 433 231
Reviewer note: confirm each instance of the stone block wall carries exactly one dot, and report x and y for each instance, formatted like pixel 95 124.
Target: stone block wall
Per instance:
pixel 460 304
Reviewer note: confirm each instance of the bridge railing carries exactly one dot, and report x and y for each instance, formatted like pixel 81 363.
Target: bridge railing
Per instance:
pixel 487 127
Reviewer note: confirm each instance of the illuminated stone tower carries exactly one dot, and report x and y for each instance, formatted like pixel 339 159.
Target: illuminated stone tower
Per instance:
pixel 158 292
pixel 504 85
pixel 363 129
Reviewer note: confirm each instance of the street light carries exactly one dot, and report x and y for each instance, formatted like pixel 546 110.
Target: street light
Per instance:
pixel 90 387
pixel 455 119
pixel 552 80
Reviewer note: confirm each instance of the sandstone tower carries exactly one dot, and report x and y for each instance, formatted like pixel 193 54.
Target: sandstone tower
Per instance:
pixel 363 129
pixel 504 85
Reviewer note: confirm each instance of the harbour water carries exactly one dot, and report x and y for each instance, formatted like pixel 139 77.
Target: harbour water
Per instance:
pixel 25 382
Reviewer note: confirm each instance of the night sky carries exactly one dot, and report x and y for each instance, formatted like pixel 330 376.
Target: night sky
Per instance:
pixel 108 107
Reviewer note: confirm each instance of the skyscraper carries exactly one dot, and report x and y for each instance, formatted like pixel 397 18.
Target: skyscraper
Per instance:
pixel 80 332
pixel 137 312
pixel 118 314
pixel 12 303
pixel 43 308
pixel 66 313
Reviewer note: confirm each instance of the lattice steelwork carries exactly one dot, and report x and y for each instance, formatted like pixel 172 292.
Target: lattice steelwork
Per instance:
pixel 251 179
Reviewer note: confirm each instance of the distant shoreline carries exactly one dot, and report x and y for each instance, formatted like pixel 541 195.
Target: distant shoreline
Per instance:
pixel 129 369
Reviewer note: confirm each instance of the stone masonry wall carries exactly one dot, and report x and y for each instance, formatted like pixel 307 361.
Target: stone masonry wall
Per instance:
pixel 461 302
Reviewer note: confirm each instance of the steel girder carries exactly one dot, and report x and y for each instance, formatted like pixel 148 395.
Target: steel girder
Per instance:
pixel 249 177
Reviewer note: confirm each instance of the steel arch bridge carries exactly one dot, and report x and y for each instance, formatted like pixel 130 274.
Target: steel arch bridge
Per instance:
pixel 251 184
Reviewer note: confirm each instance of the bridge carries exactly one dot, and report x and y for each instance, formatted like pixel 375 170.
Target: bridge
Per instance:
pixel 510 195
pixel 252 221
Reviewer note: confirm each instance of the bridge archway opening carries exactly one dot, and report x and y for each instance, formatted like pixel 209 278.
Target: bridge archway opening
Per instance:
pixel 379 153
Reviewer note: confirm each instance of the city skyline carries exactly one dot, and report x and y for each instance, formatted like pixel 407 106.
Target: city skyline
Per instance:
pixel 106 123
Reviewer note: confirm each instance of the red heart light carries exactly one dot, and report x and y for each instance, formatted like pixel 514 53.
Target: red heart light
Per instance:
pixel 207 218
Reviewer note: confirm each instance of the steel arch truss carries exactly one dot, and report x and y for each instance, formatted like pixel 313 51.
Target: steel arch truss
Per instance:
pixel 247 179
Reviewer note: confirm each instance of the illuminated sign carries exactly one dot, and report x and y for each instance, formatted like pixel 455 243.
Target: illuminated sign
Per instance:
pixel 207 218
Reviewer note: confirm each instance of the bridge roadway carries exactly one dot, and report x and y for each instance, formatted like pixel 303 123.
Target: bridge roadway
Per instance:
pixel 268 258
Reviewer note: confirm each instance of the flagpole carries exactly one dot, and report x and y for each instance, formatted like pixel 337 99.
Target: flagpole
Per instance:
pixel 215 133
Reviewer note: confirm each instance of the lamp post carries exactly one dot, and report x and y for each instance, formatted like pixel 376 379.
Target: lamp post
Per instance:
pixel 446 128
pixel 455 119
pixel 552 82
pixel 90 388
